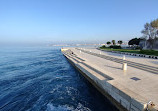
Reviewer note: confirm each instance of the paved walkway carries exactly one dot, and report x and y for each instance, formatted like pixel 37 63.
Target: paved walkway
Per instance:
pixel 138 65
pixel 140 81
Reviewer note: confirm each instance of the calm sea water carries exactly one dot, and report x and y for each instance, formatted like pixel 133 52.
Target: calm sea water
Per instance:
pixel 41 79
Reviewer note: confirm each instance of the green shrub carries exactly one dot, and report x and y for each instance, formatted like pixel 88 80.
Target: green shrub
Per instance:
pixel 115 46
pixel 149 52
pixel 137 47
pixel 103 46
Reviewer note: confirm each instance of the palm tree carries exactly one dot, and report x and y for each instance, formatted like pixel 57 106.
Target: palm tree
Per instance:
pixel 120 42
pixel 113 42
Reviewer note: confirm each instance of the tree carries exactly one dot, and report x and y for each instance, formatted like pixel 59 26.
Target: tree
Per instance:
pixel 134 41
pixel 120 42
pixel 150 32
pixel 108 43
pixel 155 23
pixel 113 42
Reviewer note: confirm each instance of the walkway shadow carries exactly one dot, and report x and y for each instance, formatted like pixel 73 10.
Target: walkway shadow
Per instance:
pixel 154 62
pixel 113 67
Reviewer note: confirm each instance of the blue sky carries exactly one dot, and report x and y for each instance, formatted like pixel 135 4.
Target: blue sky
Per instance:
pixel 48 21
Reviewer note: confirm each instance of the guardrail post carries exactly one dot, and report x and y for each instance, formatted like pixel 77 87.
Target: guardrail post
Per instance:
pixel 124 66
pixel 124 57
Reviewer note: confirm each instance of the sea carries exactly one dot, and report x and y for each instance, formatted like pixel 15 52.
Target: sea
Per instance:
pixel 41 79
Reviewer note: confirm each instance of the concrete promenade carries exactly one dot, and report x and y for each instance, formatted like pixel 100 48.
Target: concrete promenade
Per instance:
pixel 132 89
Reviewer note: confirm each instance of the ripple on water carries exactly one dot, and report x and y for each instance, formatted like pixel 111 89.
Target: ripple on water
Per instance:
pixel 41 79
pixel 80 107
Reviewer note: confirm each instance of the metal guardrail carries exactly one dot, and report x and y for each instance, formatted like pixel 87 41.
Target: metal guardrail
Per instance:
pixel 132 54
